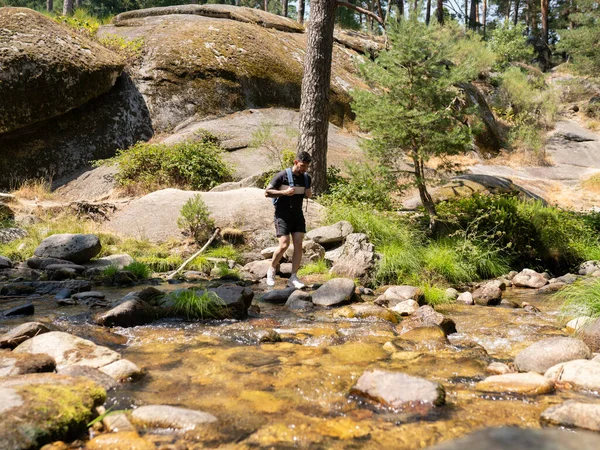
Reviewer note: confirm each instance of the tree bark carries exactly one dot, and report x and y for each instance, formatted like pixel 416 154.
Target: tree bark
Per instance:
pixel 301 4
pixel 466 12
pixel 428 12
pixel 68 8
pixel 426 199
pixel 285 8
pixel 77 4
pixel 49 5
pixel 473 15
pixel 484 16
pixel 440 11
pixel 266 5
pixel 314 102
pixel 544 6
pixel 516 18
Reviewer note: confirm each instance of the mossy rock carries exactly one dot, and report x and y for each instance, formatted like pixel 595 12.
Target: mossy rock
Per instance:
pixel 47 69
pixel 197 66
pixel 41 408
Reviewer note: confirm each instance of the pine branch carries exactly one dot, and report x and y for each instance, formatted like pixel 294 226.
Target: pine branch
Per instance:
pixel 362 11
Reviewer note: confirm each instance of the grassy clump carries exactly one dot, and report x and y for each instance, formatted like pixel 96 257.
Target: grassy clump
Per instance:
pixel 318 267
pixel 187 165
pixel 140 270
pixel 193 304
pixel 223 271
pixel 226 252
pixel 581 298
pixel 110 271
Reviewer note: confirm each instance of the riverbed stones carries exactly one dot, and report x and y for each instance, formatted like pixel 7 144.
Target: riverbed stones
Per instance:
pixel 26 309
pixel 90 373
pixel 21 333
pixel 490 294
pixel 515 438
pixel 405 308
pixel 465 298
pixel 426 316
pixel 589 267
pixel 256 270
pixel 5 263
pixel 423 338
pixel 122 370
pixel 77 248
pixel 590 334
pixel 277 296
pixel 365 311
pixel 164 416
pixel 120 440
pixel 574 414
pixel 237 300
pixel 528 278
pixel 396 294
pixel 331 234
pixel 130 313
pixel 578 324
pixel 37 408
pixel 498 368
pixel 530 383
pixel 67 350
pixel 357 258
pixel 300 301
pixel 546 353
pixel 579 374
pixel 334 292
pixel 41 263
pixel 22 363
pixel 399 390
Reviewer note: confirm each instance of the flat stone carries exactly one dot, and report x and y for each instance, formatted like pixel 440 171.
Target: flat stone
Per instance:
pixel 334 292
pixel 528 278
pixel 300 301
pixel 366 311
pixel 397 294
pixel 277 296
pixel 574 414
pixel 542 355
pixel 331 234
pixel 88 294
pixel 21 333
pixel 579 374
pixel 26 309
pixel 515 438
pixel 164 416
pixel 398 390
pixel 67 350
pixel 498 368
pixel 122 370
pixel 405 308
pixel 529 383
pixel 90 373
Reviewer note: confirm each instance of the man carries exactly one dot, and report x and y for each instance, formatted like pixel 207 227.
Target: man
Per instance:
pixel 288 196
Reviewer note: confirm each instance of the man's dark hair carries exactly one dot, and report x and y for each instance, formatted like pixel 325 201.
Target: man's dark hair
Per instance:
pixel 303 157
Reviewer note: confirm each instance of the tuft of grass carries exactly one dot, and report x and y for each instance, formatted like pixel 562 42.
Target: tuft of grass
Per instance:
pixel 200 263
pixel 581 298
pixel 318 267
pixel 592 183
pixel 434 295
pixel 110 271
pixel 193 304
pixel 442 259
pixel 398 261
pixel 223 271
pixel 224 251
pixel 35 189
pixel 161 264
pixel 140 270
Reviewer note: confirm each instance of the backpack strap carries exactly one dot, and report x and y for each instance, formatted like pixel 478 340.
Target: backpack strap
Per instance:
pixel 290 178
pixel 306 182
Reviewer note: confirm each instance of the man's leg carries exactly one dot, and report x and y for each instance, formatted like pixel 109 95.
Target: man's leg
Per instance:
pixel 284 243
pixel 297 239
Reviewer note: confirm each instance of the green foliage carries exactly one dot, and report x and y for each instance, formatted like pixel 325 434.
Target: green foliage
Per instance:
pixel 411 109
pixel 366 185
pixel 581 41
pixel 193 304
pixel 161 264
pixel 195 219
pixel 110 271
pixel 81 21
pixel 223 271
pixel 140 270
pixel 318 267
pixel 187 165
pixel 280 149
pixel 434 295
pixel 581 298
pixel 131 50
pixel 509 43
pixel 225 251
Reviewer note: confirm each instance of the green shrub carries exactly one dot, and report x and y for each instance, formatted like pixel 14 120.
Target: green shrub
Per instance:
pixel 223 271
pixel 161 264
pixel 197 305
pixel 195 219
pixel 581 298
pixel 440 259
pixel 187 165
pixel 509 43
pixel 434 295
pixel 140 270
pixel 317 267
pixel 110 271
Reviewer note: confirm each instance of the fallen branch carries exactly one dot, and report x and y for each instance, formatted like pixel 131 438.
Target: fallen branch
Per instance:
pixel 191 258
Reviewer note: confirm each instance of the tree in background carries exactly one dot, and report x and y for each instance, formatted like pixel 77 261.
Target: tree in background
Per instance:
pixel 582 40
pixel 413 108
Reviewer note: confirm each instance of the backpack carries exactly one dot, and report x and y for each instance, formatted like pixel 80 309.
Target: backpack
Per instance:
pixel 290 178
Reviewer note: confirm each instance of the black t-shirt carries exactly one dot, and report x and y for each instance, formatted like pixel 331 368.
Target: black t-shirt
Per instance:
pixel 293 204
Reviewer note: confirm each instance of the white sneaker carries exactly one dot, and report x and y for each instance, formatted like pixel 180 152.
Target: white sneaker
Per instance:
pixel 271 277
pixel 294 281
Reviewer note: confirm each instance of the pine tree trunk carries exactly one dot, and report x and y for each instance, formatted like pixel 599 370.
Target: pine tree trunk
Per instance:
pixel 301 4
pixel 508 11
pixel 428 12
pixel 314 102
pixel 49 5
pixel 466 12
pixel 426 199
pixel 440 11
pixel 473 15
pixel 544 6
pixel 484 16
pixel 285 8
pixel 68 8
pixel 516 18
pixel 77 4
pixel 266 5
pixel 400 9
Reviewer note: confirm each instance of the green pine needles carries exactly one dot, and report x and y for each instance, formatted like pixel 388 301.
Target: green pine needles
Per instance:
pixel 414 106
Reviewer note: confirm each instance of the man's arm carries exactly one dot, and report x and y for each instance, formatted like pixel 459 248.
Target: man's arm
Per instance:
pixel 272 189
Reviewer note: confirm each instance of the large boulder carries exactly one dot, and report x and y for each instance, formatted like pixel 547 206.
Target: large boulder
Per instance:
pixel 154 216
pixel 528 278
pixel 516 438
pixel 78 248
pixel 357 258
pixel 546 353
pixel 47 69
pixel 130 313
pixel 581 375
pixel 331 234
pixel 574 414
pixel 489 294
pixel 334 292
pixel 201 60
pixel 68 350
pixel 41 408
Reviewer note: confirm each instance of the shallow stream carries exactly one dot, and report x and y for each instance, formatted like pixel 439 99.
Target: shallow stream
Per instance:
pixel 296 393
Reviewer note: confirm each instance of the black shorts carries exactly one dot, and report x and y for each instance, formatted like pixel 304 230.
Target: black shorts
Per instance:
pixel 285 225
